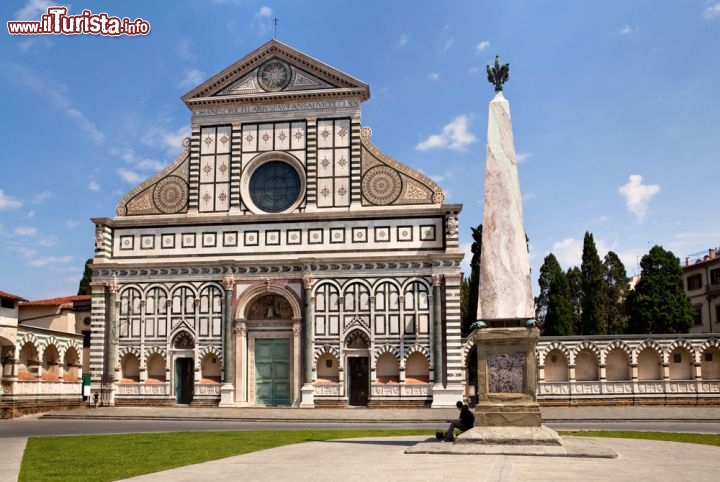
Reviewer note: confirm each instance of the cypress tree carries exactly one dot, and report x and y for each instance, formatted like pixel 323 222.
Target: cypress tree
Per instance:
pixel 594 321
pixel 616 287
pixel 84 288
pixel 574 279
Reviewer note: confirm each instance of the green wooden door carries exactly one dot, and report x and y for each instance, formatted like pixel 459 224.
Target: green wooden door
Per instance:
pixel 272 371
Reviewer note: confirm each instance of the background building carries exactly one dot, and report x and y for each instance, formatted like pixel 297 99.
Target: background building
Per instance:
pixel 701 278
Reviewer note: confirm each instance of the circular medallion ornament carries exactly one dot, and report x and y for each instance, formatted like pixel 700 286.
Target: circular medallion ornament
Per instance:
pixel 381 185
pixel 171 194
pixel 274 75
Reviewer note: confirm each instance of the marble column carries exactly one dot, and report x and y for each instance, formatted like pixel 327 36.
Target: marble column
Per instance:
pixel 308 390
pixel 109 378
pixel 505 289
pixel 227 390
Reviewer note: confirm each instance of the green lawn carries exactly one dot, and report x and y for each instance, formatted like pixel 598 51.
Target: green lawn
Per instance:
pixel 113 457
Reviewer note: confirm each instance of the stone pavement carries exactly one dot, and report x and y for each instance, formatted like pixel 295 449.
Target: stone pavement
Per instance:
pixel 385 458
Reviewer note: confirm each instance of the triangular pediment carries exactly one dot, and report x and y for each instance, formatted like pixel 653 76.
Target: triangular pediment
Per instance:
pixel 276 71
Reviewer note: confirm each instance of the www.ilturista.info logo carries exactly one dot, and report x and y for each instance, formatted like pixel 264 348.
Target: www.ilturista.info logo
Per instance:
pixel 57 22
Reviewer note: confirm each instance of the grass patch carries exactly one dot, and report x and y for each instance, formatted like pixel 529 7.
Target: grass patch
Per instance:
pixel 113 457
pixel 693 438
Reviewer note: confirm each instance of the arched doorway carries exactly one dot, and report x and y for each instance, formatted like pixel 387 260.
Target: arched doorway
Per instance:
pixel 183 344
pixel 273 347
pixel 357 345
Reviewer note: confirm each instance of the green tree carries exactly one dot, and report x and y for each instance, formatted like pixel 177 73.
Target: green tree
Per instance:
pixel 616 287
pixel 85 288
pixel 574 279
pixel 553 306
pixel 548 272
pixel 658 304
pixel 474 282
pixel 594 321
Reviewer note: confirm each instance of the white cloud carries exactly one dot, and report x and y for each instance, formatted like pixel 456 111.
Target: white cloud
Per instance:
pixel 638 195
pixel 569 251
pixel 454 136
pixel 131 177
pixel 265 12
pixel 28 79
pixel 404 40
pixel 446 45
pixel 93 186
pixel 712 12
pixel 627 29
pixel 186 50
pixel 521 157
pixel 473 70
pixel 149 165
pixel 484 45
pixel 34 8
pixel 31 214
pixel 72 223
pixel 41 197
pixel 193 78
pixel 435 76
pixel 25 231
pixel 9 202
pixel 48 241
pixel 162 137
pixel 50 260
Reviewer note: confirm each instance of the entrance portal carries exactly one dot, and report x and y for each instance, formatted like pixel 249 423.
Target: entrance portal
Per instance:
pixel 359 381
pixel 272 368
pixel 184 380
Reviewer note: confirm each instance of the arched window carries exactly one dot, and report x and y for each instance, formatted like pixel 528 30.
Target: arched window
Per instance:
pixel 29 364
pixel 156 322
pixel 129 369
pixel 649 365
pixel 556 366
pixel 328 369
pixel 417 309
pixel 210 311
pixel 327 310
pixel 681 364
pixel 51 363
pixel 387 309
pixel 710 368
pixel 617 365
pixel 417 369
pixel 129 316
pixel 387 368
pixel 586 366
pixel 155 369
pixel 72 365
pixel 210 367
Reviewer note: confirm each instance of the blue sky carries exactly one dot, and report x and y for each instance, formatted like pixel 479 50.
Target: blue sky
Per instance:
pixel 615 108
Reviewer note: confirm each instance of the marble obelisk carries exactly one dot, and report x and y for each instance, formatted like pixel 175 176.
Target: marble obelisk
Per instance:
pixel 505 293
pixel 507 410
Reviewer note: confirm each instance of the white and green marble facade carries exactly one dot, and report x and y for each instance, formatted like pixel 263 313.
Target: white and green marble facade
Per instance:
pixel 363 262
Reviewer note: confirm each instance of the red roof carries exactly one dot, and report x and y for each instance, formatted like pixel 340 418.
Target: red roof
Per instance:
pixel 11 296
pixel 57 301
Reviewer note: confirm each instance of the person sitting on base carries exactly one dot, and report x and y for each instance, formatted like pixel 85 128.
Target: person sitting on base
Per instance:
pixel 465 421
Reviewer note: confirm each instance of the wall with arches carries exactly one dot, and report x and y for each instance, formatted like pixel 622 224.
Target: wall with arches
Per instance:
pixel 632 369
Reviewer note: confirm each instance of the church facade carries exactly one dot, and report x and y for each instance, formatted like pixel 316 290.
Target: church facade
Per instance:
pixel 281 259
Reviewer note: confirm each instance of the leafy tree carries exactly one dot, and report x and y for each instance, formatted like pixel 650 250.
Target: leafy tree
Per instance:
pixel 574 279
pixel 658 304
pixel 616 287
pixel 594 321
pixel 85 288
